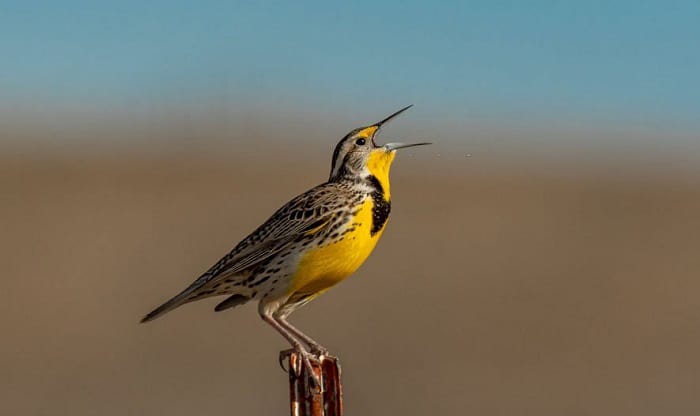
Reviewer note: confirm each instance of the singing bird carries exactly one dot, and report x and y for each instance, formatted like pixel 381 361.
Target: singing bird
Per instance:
pixel 310 244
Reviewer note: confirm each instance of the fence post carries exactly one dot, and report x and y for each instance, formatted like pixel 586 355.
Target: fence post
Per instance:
pixel 308 401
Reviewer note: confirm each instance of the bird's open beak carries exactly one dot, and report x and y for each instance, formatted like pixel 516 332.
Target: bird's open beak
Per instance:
pixel 371 132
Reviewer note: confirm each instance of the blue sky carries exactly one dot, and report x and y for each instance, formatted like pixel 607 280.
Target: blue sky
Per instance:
pixel 588 61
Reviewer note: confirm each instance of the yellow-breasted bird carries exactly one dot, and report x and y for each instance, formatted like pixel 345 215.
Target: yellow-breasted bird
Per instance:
pixel 313 242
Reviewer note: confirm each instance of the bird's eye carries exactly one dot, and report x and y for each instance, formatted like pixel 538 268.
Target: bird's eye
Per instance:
pixel 360 142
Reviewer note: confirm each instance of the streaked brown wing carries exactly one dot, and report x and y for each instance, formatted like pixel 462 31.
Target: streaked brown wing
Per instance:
pixel 308 213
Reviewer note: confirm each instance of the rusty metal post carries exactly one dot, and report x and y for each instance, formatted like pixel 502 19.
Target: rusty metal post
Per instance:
pixel 305 400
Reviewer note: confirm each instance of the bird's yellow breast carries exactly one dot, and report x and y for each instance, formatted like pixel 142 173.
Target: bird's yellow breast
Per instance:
pixel 322 267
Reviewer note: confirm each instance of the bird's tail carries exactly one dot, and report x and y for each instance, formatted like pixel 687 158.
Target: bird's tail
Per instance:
pixel 192 293
pixel 180 299
pixel 230 302
pixel 164 308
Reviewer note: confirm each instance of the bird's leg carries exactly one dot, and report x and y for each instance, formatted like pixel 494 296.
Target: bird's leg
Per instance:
pixel 305 355
pixel 316 348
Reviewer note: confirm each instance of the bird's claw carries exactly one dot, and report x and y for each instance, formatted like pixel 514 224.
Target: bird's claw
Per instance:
pixel 283 356
pixel 306 358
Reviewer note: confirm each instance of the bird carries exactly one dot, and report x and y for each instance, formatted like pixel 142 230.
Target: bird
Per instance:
pixel 310 244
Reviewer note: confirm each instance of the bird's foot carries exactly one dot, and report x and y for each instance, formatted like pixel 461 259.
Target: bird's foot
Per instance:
pixel 306 358
pixel 318 350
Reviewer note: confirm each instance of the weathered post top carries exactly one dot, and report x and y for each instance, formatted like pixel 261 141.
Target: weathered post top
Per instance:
pixel 305 398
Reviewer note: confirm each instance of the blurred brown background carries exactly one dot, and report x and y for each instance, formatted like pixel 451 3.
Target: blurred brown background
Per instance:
pixel 542 257
pixel 533 282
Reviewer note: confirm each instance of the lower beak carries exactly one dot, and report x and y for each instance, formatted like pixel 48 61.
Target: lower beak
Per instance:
pixel 393 146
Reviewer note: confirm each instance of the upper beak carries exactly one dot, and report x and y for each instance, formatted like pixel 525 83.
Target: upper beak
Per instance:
pixel 371 131
pixel 386 120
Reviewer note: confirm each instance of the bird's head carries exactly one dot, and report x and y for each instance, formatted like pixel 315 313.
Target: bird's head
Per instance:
pixel 358 155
